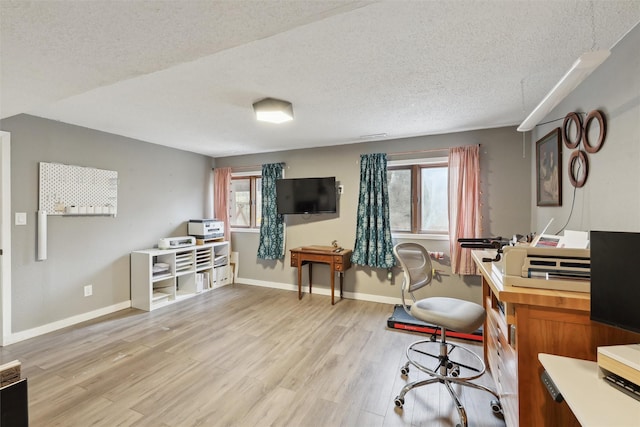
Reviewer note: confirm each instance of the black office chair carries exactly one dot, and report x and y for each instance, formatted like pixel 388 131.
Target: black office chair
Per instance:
pixel 443 313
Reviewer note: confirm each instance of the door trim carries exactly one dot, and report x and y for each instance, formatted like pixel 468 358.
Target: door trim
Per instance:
pixel 5 238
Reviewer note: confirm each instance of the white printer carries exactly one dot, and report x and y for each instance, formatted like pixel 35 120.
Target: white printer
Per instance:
pixel 176 242
pixel 206 228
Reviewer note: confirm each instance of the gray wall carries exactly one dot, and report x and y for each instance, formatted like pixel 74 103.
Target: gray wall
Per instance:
pixel 159 190
pixel 610 199
pixel 505 198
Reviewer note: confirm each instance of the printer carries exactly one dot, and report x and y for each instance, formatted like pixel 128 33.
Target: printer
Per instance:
pixel 176 242
pixel 206 228
pixel 562 269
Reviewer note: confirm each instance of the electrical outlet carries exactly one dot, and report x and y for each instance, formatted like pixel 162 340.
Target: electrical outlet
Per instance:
pixel 21 218
pixel 88 290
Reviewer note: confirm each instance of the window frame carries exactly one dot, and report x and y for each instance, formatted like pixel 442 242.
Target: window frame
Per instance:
pixel 416 166
pixel 253 177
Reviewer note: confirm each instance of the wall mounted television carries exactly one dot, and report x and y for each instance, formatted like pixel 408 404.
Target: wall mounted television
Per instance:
pixel 306 195
pixel 615 283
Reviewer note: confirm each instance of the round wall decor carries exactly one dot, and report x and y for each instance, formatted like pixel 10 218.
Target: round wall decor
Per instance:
pixel 572 119
pixel 578 160
pixel 597 115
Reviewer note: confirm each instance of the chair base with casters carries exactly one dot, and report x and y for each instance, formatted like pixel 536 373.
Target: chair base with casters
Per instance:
pixel 446 363
pixel 446 369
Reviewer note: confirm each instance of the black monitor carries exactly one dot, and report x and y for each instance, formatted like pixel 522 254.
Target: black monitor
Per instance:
pixel 615 279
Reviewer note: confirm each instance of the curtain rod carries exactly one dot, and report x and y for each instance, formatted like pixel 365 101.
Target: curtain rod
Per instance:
pixel 252 167
pixel 405 153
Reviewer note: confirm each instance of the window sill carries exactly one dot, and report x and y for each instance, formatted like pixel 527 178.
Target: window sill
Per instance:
pixel 419 236
pixel 245 230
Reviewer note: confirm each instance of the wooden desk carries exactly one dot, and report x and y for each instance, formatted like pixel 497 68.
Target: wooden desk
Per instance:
pixel 523 322
pixel 338 262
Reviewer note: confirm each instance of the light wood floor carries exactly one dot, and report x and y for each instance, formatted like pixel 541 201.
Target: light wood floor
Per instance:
pixel 236 356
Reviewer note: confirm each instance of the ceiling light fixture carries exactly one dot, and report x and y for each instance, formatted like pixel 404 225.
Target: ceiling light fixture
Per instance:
pixel 273 110
pixel 577 73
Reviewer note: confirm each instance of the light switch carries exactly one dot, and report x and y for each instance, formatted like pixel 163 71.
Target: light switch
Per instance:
pixel 21 218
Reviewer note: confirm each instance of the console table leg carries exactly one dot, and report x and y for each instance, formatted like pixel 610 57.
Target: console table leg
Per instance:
pixel 333 279
pixel 310 276
pixel 299 281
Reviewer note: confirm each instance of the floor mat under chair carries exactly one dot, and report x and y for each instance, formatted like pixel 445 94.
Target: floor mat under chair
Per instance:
pixel 400 319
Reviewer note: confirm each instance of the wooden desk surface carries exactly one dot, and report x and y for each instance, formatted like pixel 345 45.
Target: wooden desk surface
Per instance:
pixel 505 292
pixel 318 248
pixel 328 250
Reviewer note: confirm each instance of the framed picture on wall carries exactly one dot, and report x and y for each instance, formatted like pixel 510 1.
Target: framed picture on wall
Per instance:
pixel 549 169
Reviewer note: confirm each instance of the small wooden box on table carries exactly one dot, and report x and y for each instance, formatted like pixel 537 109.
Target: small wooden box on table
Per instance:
pixel 339 260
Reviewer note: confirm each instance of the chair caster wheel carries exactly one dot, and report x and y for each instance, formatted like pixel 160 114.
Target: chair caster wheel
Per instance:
pixel 404 370
pixel 455 371
pixel 399 402
pixel 496 407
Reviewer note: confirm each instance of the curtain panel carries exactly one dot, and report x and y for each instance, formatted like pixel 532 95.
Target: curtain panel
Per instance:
pixel 373 246
pixel 464 205
pixel 272 227
pixel 221 189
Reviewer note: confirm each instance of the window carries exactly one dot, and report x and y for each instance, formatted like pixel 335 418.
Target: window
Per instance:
pixel 418 196
pixel 245 200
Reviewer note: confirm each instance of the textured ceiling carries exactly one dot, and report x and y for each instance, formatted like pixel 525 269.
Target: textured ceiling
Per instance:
pixel 185 73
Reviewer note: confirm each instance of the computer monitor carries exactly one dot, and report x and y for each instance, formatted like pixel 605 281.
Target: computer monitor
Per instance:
pixel 615 279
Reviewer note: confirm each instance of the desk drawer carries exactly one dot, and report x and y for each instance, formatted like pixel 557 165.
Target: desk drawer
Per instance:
pixel 342 262
pixel 294 259
pixel 503 365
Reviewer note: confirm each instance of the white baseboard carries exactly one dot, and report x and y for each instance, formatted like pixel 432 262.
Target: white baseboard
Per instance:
pixel 322 291
pixel 69 321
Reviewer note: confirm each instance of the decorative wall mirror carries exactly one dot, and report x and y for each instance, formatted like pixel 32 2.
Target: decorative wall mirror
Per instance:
pixel 578 168
pixel 594 124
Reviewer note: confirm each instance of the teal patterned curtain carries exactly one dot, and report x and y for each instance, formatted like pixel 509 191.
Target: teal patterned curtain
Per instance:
pixel 373 245
pixel 272 226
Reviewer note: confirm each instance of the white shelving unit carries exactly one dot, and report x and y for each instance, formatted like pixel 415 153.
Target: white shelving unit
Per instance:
pixel 178 274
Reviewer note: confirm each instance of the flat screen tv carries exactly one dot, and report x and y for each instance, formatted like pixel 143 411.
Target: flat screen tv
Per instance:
pixel 615 283
pixel 306 195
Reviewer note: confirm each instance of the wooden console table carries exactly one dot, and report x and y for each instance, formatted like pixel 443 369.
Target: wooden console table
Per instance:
pixel 523 322
pixel 339 261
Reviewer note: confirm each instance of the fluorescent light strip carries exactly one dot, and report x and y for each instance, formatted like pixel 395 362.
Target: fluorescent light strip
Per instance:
pixel 580 70
pixel 373 135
